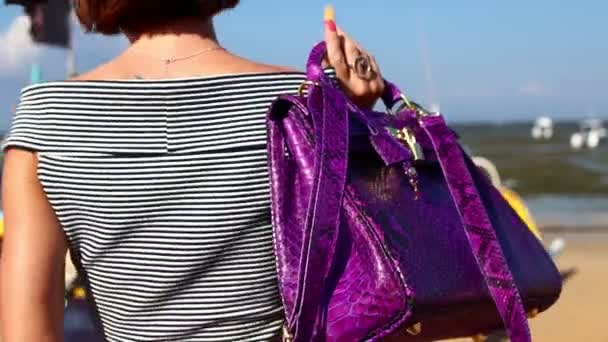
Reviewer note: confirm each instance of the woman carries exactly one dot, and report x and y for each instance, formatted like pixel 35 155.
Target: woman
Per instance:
pixel 151 169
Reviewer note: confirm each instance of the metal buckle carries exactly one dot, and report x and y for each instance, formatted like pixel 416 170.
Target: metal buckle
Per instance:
pixel 533 313
pixel 287 337
pixel 406 135
pixel 305 85
pixel 479 338
pixel 405 104
pixel 415 329
pixel 420 111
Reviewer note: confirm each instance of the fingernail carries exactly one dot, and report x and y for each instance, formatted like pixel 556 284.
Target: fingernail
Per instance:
pixel 330 18
pixel 331 25
pixel 330 13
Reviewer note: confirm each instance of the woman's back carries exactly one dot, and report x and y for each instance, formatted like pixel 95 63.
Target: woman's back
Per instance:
pixel 162 189
pixel 153 170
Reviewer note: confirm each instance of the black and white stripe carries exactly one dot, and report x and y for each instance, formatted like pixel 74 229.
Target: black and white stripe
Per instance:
pixel 162 189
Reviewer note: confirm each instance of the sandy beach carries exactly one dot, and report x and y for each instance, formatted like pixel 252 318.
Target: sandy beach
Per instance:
pixel 581 314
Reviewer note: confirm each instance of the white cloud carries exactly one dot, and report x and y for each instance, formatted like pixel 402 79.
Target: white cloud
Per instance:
pixel 534 88
pixel 18 49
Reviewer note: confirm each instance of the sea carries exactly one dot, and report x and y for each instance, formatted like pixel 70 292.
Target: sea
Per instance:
pixel 564 187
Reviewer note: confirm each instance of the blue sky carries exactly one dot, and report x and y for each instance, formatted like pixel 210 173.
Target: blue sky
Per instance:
pixel 476 60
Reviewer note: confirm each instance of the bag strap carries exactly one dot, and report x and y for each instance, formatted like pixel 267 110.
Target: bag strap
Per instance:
pixel 329 113
pixel 478 228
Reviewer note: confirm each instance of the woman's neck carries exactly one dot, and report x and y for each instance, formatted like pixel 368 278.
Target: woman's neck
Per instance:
pixel 175 39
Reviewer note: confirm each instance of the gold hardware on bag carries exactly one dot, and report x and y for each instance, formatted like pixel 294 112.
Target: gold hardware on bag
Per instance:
pixel 479 338
pixel 286 335
pixel 406 104
pixel 415 329
pixel 412 175
pixel 533 313
pixel 406 136
pixel 305 85
pixel 409 138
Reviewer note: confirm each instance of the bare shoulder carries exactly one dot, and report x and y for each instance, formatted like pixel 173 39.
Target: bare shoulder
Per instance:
pixel 104 71
pixel 19 159
pixel 268 68
pixel 223 63
pixel 239 64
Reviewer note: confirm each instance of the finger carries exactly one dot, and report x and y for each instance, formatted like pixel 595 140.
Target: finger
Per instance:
pixel 378 82
pixel 335 52
pixel 375 66
pixel 343 33
pixel 357 86
pixel 352 49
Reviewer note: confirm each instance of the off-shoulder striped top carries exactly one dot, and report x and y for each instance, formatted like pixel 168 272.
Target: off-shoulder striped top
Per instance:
pixel 161 188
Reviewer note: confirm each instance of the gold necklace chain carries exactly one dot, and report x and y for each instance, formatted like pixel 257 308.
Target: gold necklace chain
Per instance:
pixel 167 61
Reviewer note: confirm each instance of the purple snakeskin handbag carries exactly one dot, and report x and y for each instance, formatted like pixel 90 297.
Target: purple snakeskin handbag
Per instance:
pixel 384 228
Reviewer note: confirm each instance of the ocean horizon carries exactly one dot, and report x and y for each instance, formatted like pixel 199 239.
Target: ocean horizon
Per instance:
pixel 562 186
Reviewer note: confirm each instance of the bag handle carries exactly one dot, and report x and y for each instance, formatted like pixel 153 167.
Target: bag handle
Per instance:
pixel 331 132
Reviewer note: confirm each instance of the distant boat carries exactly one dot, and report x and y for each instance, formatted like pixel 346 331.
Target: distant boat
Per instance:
pixel 543 128
pixel 590 134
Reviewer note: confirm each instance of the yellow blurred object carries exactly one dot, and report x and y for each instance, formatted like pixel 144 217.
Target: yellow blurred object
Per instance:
pixel 330 13
pixel 521 209
pixel 80 293
pixel 479 338
pixel 509 195
pixel 1 227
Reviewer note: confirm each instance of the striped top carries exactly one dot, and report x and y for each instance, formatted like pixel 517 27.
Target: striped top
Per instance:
pixel 162 189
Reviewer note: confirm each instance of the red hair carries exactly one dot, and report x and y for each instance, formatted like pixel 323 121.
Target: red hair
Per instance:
pixel 110 16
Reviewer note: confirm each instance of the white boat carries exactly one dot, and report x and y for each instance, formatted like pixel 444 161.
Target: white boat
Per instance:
pixel 543 128
pixel 591 133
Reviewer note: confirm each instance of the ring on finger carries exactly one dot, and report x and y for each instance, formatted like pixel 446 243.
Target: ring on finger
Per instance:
pixel 363 67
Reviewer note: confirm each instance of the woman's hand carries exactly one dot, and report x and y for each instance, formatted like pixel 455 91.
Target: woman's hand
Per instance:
pixel 356 69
